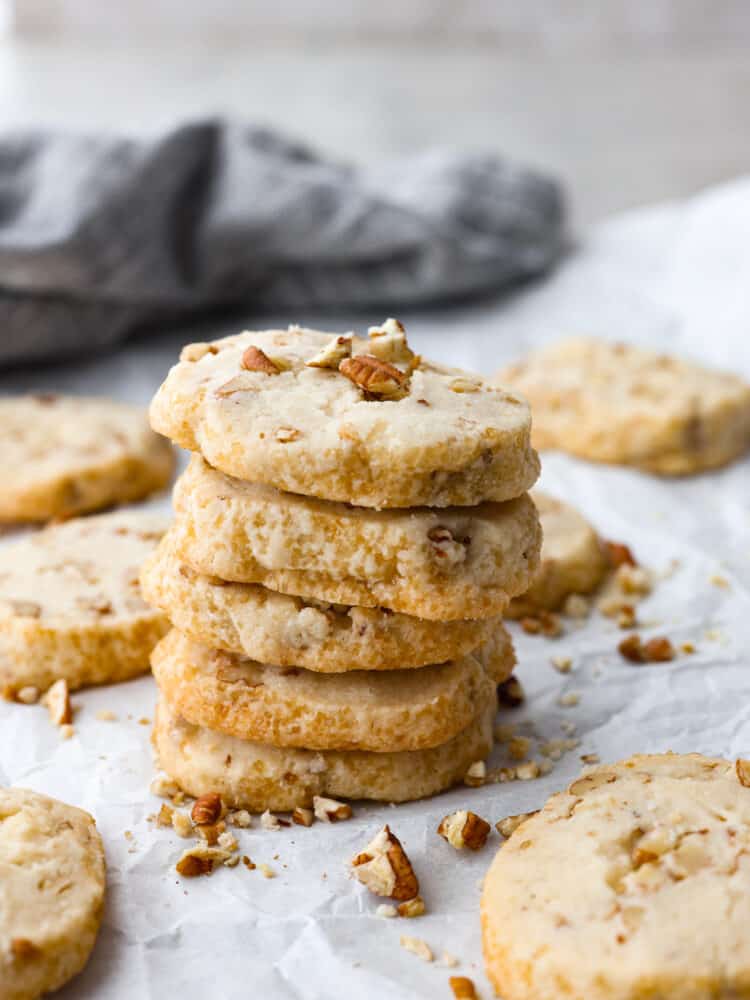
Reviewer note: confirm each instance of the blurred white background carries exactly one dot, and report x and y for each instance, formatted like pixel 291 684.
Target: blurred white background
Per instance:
pixel 628 101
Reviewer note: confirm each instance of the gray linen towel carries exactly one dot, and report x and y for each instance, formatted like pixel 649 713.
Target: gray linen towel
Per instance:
pixel 104 236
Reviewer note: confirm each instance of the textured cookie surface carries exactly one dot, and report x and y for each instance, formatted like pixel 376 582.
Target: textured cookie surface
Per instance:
pixel 52 884
pixel 64 455
pixel 292 707
pixel 632 885
pixel 248 618
pixel 616 403
pixel 450 439
pixel 70 603
pixel 460 562
pixel 258 777
pixel 572 561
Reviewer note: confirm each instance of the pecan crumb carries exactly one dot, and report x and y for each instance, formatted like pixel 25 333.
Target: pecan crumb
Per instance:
pixel 506 827
pixel 57 700
pixel 618 554
pixel 411 908
pixel 510 693
pixel 463 988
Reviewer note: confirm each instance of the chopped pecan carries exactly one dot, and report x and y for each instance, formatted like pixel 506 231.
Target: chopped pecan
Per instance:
pixel 329 810
pixel 332 354
pixel 742 769
pixel 302 817
pixel 505 827
pixel 207 809
pixel 464 829
pixel 385 869
pixel 256 360
pixel 375 377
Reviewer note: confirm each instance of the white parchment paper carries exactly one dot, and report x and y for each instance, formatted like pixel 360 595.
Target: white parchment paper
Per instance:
pixel 674 276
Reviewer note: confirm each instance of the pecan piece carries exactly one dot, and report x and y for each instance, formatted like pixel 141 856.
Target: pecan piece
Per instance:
pixel 375 377
pixel 464 829
pixel 207 809
pixel 742 769
pixel 385 869
pixel 57 700
pixel 255 360
pixel 331 356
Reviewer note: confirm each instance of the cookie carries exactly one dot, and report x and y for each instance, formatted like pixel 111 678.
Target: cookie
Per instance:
pixel 293 707
pixel 264 625
pixel 442 438
pixel 52 884
pixel 573 560
pixel 611 402
pixel 257 777
pixel 634 883
pixel 70 604
pixel 65 455
pixel 461 562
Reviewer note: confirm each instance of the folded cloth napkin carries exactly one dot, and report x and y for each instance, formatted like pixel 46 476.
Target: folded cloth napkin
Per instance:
pixel 102 236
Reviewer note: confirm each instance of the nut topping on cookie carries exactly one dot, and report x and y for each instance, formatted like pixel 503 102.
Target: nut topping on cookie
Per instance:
pixel 388 343
pixel 255 360
pixel 332 354
pixel 464 829
pixel 375 377
pixel 384 868
pixel 742 767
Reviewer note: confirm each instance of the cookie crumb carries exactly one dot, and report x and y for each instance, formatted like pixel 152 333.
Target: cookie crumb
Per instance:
pixel 105 715
pixel 562 664
pixel 569 700
pixel 386 911
pixel 28 695
pixel 411 907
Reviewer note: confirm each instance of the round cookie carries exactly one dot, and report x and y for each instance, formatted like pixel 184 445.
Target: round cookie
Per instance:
pixel 611 402
pixel 455 563
pixel 257 777
pixel 70 604
pixel 65 455
pixel 634 883
pixel 449 439
pixel 292 707
pixel 269 627
pixel 573 561
pixel 52 884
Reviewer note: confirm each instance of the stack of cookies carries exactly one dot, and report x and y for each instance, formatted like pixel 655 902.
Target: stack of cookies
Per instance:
pixel 350 528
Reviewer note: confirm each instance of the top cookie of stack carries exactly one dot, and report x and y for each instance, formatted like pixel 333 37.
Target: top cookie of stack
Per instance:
pixel 351 510
pixel 285 408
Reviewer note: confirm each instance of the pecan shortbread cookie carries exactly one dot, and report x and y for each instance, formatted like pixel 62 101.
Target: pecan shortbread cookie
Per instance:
pixel 634 883
pixel 573 560
pixel 264 625
pixel 460 562
pixel 293 707
pixel 52 886
pixel 70 603
pixel 612 402
pixel 257 777
pixel 65 455
pixel 361 420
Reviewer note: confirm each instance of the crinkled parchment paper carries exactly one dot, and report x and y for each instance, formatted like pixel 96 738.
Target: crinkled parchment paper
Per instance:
pixel 675 276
